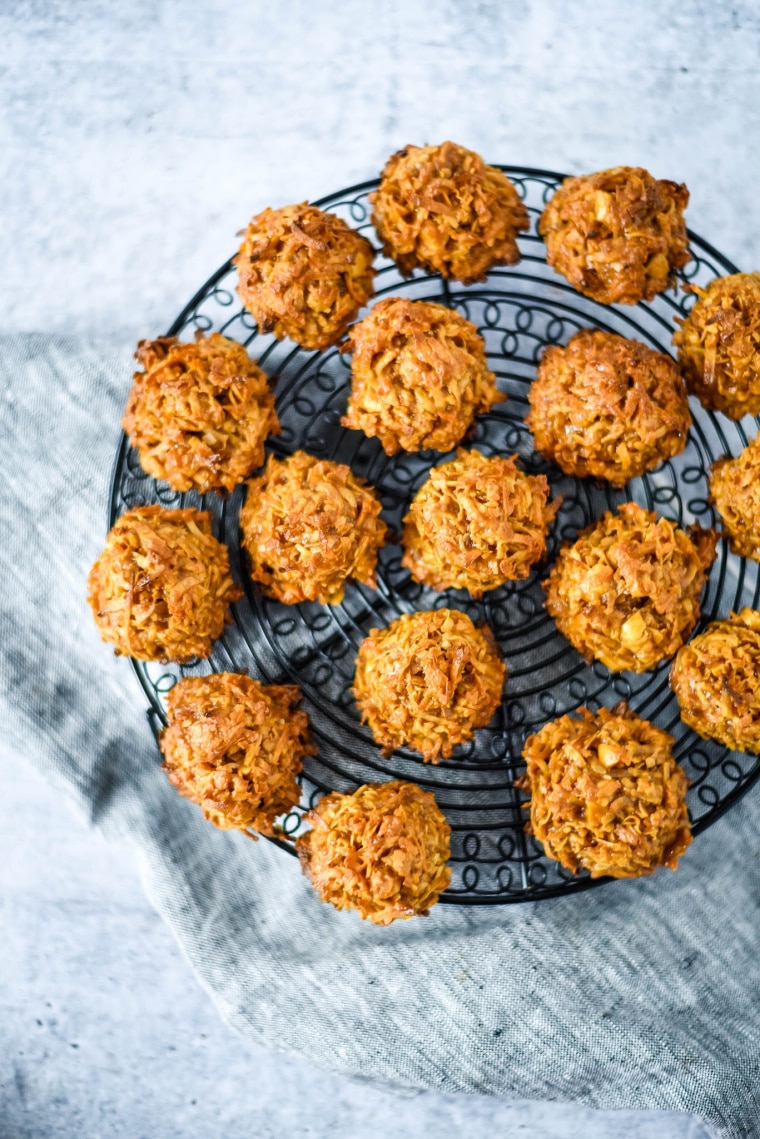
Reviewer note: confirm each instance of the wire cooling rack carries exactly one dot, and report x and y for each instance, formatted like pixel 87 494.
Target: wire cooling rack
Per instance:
pixel 518 310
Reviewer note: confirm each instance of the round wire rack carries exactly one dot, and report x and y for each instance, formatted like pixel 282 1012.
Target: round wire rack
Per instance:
pixel 518 310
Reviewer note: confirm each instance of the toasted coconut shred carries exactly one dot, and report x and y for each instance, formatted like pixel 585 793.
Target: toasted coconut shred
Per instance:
pixel 199 413
pixel 441 208
pixel 161 588
pixel 428 680
pixel 735 491
pixel 627 591
pixel 308 526
pixel 617 236
pixel 304 274
pixel 381 851
pixel 607 407
pixel 607 796
pixel 476 523
pixel 719 345
pixel 418 376
pixel 235 747
pixel 715 679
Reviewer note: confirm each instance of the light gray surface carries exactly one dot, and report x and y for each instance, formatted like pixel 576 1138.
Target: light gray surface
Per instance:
pixel 135 139
pixel 104 1031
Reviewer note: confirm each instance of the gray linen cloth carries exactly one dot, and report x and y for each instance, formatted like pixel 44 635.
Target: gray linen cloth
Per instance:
pixel 640 994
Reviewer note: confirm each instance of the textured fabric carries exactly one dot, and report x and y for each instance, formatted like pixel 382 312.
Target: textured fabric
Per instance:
pixel 640 994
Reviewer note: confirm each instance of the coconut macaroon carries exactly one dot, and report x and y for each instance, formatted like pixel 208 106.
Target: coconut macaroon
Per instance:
pixel 304 274
pixel 627 591
pixel 381 851
pixel 735 491
pixel 161 588
pixel 476 523
pixel 618 236
pixel 719 345
pixel 199 412
pixel 235 747
pixel 607 407
pixel 419 376
pixel 715 679
pixel 427 681
pixel 308 526
pixel 441 208
pixel 607 796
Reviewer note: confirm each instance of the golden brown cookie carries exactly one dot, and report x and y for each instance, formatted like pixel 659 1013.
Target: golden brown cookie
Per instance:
pixel 381 851
pixel 715 679
pixel 199 412
pixel 419 376
pixel 719 345
pixel 308 526
pixel 627 591
pixel 607 407
pixel 735 491
pixel 161 588
pixel 618 236
pixel 441 208
pixel 235 747
pixel 476 523
pixel 607 796
pixel 428 680
pixel 304 273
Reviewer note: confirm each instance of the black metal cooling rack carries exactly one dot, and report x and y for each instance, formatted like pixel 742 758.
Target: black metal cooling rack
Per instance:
pixel 519 310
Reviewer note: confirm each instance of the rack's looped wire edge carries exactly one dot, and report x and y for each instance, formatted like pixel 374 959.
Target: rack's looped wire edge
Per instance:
pixel 519 309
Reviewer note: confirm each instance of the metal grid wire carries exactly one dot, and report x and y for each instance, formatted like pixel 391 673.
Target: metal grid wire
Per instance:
pixel 518 310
